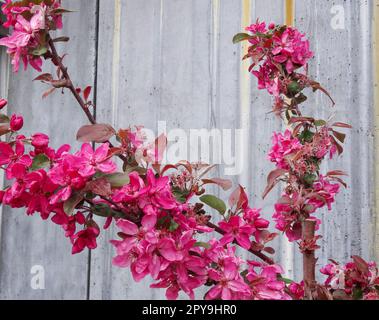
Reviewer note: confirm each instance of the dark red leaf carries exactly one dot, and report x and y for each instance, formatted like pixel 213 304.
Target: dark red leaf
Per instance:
pixel 361 264
pixel 95 133
pixel 272 180
pixel 342 125
pixel 45 77
pixel 225 184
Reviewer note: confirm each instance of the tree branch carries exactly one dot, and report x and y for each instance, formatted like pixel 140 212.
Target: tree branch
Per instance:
pixel 57 60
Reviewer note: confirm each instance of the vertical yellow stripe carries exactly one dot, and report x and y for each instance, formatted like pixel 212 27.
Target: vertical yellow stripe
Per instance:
pixel 289 19
pixel 376 109
pixel 245 94
pixel 116 59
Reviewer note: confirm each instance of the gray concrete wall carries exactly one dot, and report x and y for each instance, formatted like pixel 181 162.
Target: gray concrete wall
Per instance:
pixel 173 60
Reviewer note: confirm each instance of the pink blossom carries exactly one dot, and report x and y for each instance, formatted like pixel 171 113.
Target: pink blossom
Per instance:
pixel 85 239
pixel 292 49
pixel 230 284
pixel 14 158
pixel 267 286
pixel 326 190
pixel 132 191
pixel 283 145
pixel 92 161
pixel 236 230
pixel 66 174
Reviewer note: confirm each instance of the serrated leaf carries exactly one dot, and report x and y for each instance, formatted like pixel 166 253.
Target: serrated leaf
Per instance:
pixel 214 202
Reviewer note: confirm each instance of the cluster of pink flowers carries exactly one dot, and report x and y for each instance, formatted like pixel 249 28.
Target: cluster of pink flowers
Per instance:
pixel 283 145
pixel 277 51
pixel 160 210
pixel 30 24
pixel 44 180
pixel 164 245
pixel 159 233
pixel 355 280
pixel 307 190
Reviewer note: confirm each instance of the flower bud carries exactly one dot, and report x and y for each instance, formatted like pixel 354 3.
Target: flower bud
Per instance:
pixel 261 223
pixel 271 26
pixel 3 103
pixel 40 140
pixel 16 123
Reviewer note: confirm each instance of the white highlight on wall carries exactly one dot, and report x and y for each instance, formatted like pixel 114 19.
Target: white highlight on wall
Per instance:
pixel 37 281
pixel 338 19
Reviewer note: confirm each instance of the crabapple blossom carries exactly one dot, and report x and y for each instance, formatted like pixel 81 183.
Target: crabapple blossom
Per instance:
pixel 159 210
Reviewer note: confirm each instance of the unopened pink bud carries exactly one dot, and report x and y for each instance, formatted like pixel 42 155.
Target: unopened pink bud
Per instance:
pixel 17 122
pixel 271 26
pixel 261 223
pixel 3 103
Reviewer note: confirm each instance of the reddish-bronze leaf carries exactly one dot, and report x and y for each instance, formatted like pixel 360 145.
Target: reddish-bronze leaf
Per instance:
pixel 45 77
pixel 48 92
pixel 336 173
pixel 361 264
pixel 317 86
pixel 101 187
pixel 300 119
pixel 4 129
pixel 342 125
pixel 272 180
pixel 238 198
pixel 340 136
pixel 225 184
pixel 95 133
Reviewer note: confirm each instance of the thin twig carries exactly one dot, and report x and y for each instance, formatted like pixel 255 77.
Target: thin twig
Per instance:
pixel 259 254
pixel 57 60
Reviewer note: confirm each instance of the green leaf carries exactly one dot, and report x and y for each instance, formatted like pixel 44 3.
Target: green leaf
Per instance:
pixel 357 293
pixel 118 180
pixel 60 11
pixel 102 210
pixel 285 280
pixel 294 88
pixel 40 161
pixel 320 123
pixel 173 226
pixel 202 244
pixel 309 178
pixel 40 51
pixel 241 37
pixel 180 195
pixel 70 204
pixel 214 203
pixel 306 136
